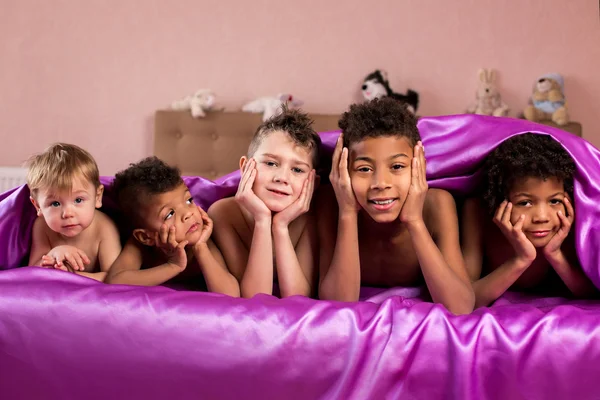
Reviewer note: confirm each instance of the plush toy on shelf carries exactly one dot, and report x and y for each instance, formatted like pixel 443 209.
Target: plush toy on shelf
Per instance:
pixel 487 98
pixel 547 102
pixel 271 106
pixel 199 102
pixel 376 85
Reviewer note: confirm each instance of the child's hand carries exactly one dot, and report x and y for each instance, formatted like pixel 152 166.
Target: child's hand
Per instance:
pixel 298 207
pixel 412 210
pixel 340 179
pixel 207 227
pixel 246 197
pixel 74 256
pixel 553 246
pixel 525 250
pixel 175 252
pixel 50 262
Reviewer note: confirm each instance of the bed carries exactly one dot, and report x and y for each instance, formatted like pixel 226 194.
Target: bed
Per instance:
pixel 65 336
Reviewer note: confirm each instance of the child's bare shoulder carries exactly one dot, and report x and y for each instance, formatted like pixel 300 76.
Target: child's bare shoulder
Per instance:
pixel 41 230
pixel 225 211
pixel 439 208
pixel 106 226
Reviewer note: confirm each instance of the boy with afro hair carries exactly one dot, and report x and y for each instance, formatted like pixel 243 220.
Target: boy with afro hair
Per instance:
pixel 171 234
pixel 518 230
pixel 381 225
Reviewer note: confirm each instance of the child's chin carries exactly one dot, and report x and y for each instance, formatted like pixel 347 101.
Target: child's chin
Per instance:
pixel 384 218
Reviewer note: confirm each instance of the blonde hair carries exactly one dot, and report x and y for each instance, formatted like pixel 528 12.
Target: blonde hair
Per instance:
pixel 58 166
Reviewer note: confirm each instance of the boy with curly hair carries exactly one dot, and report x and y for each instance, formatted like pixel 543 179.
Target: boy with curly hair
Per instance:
pixel 70 233
pixel 381 225
pixel 171 234
pixel 266 232
pixel 518 230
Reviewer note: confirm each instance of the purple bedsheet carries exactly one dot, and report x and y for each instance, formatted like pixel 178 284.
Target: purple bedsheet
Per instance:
pixel 64 336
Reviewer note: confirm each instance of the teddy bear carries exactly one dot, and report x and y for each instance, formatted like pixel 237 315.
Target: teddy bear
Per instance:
pixel 271 106
pixel 487 98
pixel 548 101
pixel 376 85
pixel 199 102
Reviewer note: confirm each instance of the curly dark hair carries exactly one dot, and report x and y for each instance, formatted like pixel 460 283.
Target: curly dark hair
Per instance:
pixel 523 156
pixel 134 186
pixel 379 117
pixel 296 124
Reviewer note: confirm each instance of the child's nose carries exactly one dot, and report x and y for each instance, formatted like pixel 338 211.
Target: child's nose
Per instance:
pixel 67 212
pixel 380 180
pixel 540 214
pixel 281 176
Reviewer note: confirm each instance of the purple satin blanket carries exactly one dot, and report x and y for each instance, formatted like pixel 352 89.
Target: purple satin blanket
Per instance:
pixel 63 336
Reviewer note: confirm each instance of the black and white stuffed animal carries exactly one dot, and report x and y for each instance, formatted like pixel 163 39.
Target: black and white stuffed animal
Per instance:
pixel 376 85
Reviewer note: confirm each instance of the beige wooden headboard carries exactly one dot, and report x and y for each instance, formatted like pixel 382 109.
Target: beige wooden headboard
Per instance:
pixel 212 146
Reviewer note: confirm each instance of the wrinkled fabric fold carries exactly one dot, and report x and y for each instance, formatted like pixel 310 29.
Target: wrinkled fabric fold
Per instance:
pixel 65 336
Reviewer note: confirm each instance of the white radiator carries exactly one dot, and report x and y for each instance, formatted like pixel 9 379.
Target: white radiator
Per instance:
pixel 11 177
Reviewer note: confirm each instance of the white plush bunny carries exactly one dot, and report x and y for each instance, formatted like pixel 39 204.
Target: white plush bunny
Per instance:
pixel 487 97
pixel 271 106
pixel 201 101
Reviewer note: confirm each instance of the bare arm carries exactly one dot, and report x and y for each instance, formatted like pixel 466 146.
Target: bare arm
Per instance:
pixel 492 286
pixel 258 274
pixel 127 268
pixel 40 244
pixel 295 266
pixel 254 268
pixel 110 244
pixel 339 264
pixel 567 267
pixel 441 260
pixel 339 257
pixel 572 275
pixel 218 278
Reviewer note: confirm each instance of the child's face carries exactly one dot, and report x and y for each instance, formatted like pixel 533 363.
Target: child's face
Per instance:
pixel 539 200
pixel 282 166
pixel 380 172
pixel 69 213
pixel 173 208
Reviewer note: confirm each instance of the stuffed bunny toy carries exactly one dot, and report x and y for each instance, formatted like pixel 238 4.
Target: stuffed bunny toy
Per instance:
pixel 488 100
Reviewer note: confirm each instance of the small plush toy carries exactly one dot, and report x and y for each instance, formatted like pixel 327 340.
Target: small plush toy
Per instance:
pixel 201 101
pixel 487 98
pixel 377 85
pixel 548 101
pixel 271 106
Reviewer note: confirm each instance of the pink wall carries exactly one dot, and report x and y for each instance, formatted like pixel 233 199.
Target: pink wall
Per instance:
pixel 92 73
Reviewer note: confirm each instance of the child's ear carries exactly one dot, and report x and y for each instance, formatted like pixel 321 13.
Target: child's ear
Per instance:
pixel 38 210
pixel 243 161
pixel 144 236
pixel 99 193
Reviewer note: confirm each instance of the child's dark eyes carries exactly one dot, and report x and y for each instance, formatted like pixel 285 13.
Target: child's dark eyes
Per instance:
pixel 298 170
pixel 190 200
pixel 524 203
pixel 55 204
pixel 397 167
pixel 363 169
pixel 270 163
pixel 169 215
pixel 556 202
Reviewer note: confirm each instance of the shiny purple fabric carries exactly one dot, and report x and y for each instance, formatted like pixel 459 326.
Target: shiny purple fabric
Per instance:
pixel 64 336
